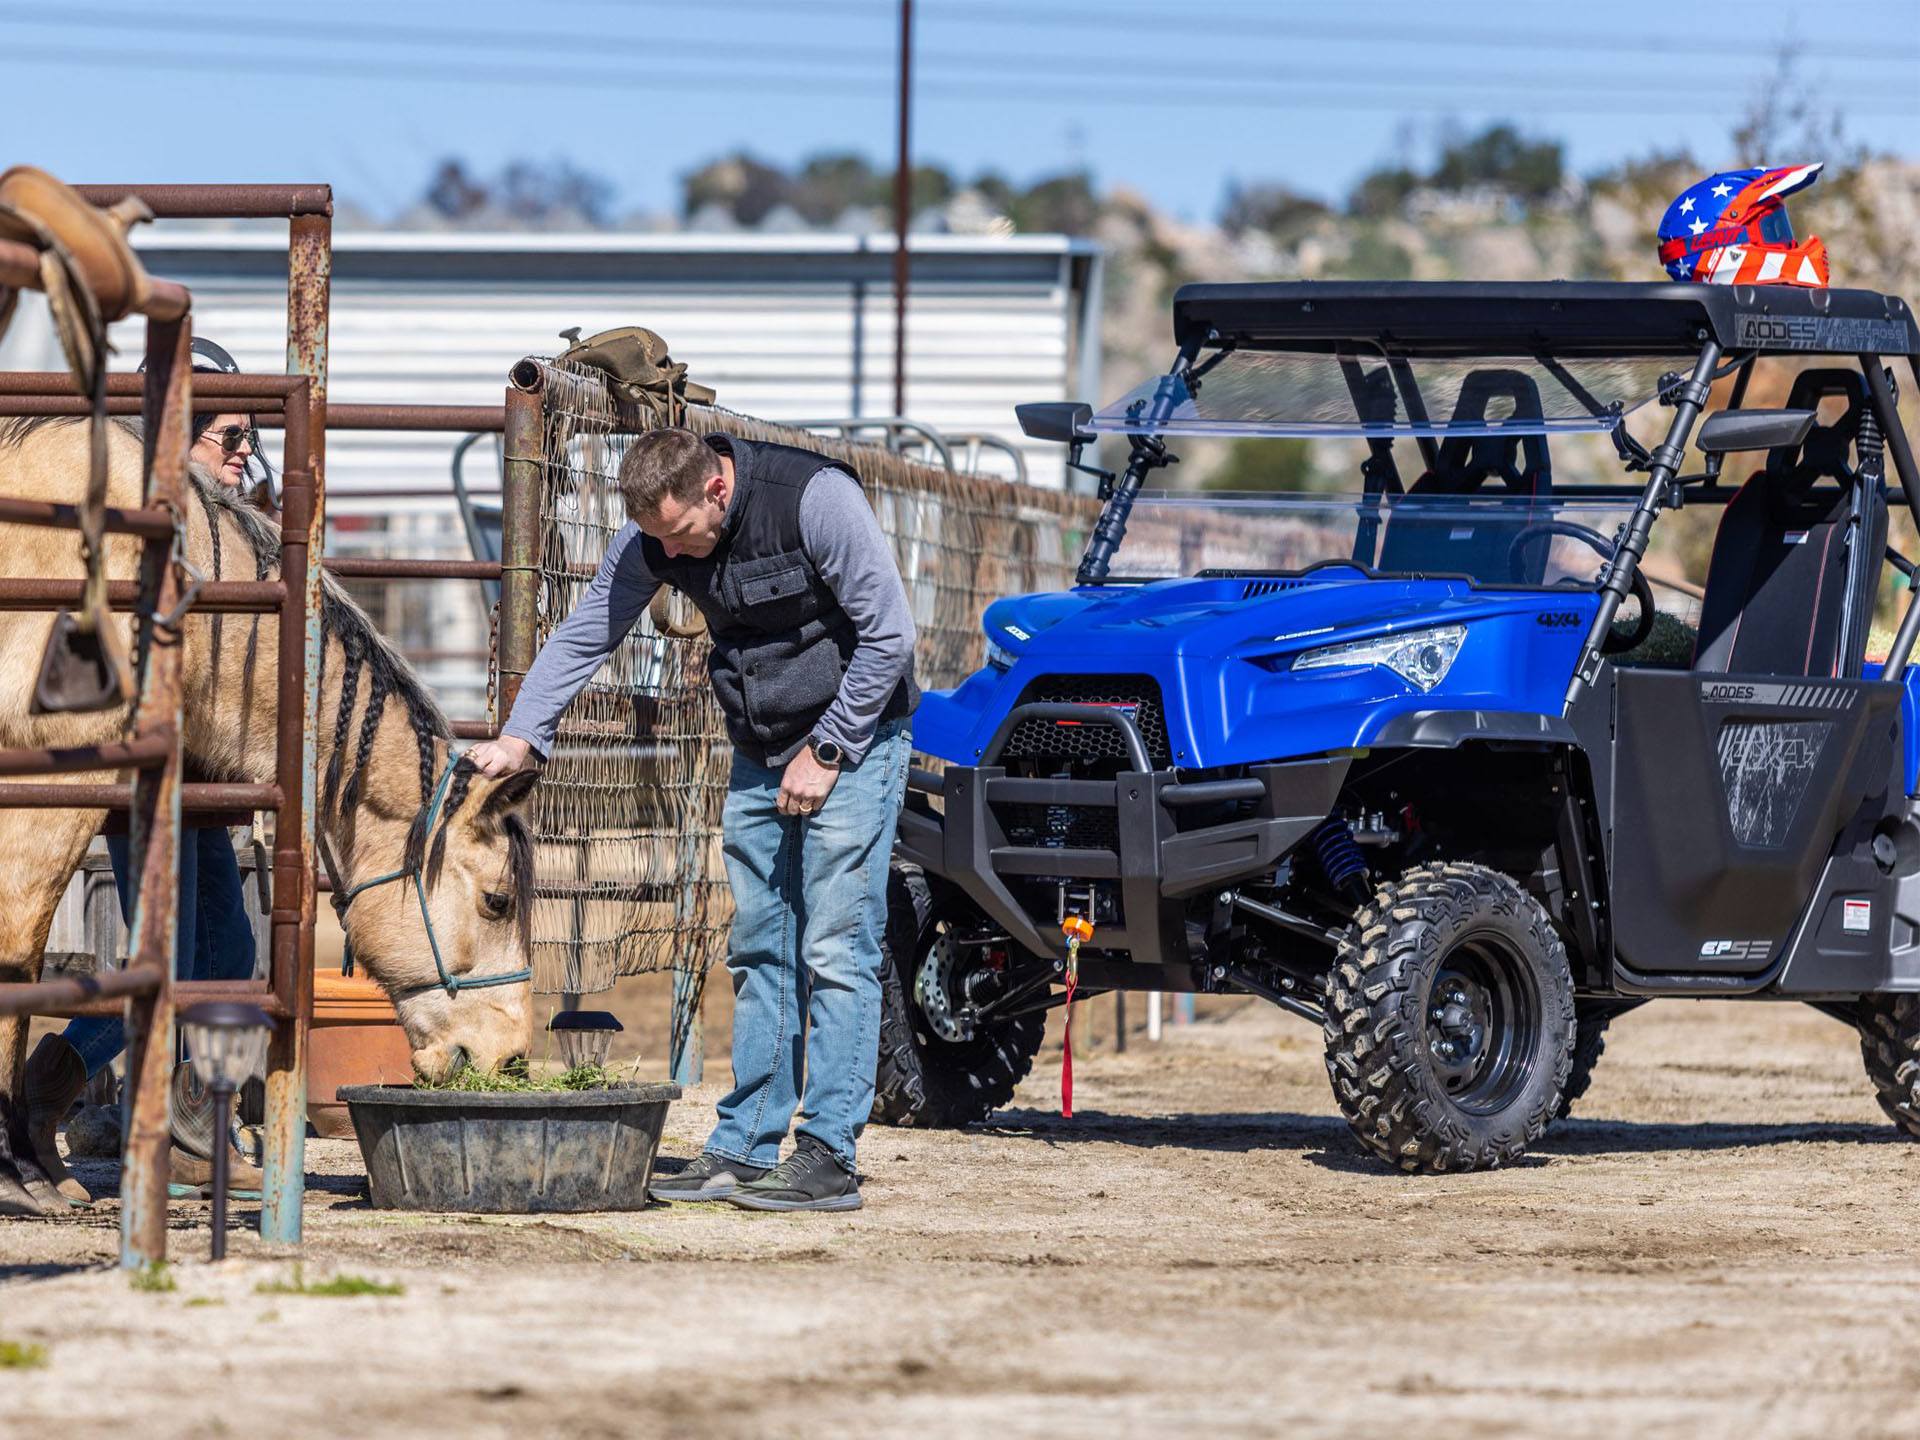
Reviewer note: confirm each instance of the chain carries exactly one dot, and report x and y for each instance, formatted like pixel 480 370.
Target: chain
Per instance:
pixel 190 591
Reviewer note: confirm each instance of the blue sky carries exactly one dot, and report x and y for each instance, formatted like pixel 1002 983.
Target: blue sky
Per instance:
pixel 1172 99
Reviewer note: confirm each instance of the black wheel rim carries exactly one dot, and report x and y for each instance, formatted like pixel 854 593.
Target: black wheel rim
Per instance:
pixel 1483 1023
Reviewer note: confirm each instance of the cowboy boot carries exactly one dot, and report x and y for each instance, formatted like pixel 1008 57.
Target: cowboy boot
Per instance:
pixel 186 1168
pixel 55 1077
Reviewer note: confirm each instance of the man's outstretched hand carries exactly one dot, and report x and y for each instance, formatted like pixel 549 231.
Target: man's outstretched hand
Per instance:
pixel 501 757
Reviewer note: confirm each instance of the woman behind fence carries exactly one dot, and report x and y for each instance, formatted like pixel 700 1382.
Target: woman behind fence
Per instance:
pixel 214 938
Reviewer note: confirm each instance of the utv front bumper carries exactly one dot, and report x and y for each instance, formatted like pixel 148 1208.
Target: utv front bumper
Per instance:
pixel 1140 845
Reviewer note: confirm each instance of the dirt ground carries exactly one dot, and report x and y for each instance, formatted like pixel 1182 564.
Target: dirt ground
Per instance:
pixel 1722 1243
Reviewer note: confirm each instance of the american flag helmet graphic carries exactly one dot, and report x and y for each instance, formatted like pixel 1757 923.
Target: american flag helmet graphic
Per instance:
pixel 1732 229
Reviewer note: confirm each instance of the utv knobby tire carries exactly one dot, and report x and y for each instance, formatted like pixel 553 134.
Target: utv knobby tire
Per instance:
pixel 1589 1044
pixel 1890 1044
pixel 1387 1076
pixel 922 1080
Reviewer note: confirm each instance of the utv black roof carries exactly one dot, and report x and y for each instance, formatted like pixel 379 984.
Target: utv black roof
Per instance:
pixel 1558 317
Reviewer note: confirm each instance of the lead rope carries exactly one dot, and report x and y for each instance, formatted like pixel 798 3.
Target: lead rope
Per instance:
pixel 452 984
pixel 1078 931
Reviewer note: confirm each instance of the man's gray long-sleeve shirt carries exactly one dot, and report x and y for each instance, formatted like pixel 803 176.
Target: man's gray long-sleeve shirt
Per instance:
pixel 843 540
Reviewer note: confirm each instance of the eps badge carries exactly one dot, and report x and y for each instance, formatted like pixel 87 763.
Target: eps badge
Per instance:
pixel 1753 950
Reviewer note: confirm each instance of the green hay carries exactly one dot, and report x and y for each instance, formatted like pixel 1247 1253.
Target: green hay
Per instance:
pixel 339 1286
pixel 154 1279
pixel 486 1082
pixel 19 1355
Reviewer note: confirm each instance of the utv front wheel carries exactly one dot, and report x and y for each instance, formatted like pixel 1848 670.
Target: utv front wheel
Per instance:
pixel 1450 1020
pixel 933 1071
pixel 1890 1042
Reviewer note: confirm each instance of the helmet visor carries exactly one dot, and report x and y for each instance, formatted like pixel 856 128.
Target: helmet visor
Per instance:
pixel 1775 227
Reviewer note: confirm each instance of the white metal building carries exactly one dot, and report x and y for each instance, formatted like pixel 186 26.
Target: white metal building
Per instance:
pixel 783 326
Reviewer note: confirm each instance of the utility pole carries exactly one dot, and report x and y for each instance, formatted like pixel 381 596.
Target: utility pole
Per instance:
pixel 902 206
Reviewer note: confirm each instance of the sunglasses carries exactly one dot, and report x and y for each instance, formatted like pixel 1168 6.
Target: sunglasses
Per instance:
pixel 232 437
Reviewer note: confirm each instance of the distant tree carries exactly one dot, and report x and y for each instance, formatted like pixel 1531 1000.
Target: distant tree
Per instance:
pixel 529 190
pixel 1500 155
pixel 747 187
pixel 995 190
pixel 1381 192
pixel 452 191
pixel 533 191
pixel 928 186
pixel 1259 465
pixel 1063 204
pixel 1271 209
pixel 829 183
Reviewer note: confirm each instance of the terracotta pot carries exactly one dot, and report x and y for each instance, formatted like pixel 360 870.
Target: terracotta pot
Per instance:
pixel 356 1040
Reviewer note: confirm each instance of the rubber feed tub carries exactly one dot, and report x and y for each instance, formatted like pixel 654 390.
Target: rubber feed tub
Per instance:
pixel 509 1152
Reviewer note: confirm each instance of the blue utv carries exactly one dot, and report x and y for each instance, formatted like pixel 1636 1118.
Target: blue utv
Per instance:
pixel 1455 763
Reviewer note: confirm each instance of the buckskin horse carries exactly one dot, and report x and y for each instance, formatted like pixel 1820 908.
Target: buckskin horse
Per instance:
pixel 393 802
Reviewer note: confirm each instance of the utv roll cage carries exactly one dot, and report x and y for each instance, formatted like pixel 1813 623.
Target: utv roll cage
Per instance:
pixel 1719 330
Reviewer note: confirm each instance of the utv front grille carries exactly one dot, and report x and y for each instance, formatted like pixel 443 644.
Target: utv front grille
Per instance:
pixel 1062 740
pixel 1060 827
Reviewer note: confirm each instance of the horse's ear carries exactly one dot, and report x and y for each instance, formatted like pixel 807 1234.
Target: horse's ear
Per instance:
pixel 498 798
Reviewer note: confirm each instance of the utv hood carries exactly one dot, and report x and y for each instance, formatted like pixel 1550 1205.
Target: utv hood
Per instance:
pixel 1222 653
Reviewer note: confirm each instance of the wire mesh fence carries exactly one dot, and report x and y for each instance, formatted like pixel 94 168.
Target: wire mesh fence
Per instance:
pixel 627 816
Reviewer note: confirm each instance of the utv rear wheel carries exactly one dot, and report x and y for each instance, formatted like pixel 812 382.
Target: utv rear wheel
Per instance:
pixel 930 1074
pixel 1890 1042
pixel 1589 1044
pixel 1450 1020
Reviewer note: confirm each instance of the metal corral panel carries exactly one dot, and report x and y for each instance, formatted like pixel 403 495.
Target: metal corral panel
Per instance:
pixel 783 327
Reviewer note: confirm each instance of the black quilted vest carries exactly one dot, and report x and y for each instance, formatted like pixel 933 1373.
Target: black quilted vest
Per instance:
pixel 781 642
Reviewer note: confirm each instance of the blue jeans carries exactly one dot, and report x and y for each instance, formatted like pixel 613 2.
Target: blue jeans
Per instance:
pixel 810 905
pixel 213 933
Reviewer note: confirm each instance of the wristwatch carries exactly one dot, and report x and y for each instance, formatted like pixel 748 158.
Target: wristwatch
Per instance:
pixel 827 752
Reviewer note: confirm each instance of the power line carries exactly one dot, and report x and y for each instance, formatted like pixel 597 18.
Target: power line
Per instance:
pixel 435 40
pixel 1191 19
pixel 1489 94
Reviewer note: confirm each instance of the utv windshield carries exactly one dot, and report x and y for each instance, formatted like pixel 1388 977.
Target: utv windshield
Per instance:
pixel 1493 539
pixel 1285 393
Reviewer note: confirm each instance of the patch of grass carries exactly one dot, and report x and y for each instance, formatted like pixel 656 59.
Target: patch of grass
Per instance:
pixel 153 1279
pixel 200 1300
pixel 21 1355
pixel 581 1077
pixel 338 1285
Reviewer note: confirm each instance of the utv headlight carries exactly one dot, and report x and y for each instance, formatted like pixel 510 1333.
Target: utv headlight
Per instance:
pixel 1420 657
pixel 999 657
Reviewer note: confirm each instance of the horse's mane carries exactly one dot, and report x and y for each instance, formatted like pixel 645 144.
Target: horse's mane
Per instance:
pixel 365 652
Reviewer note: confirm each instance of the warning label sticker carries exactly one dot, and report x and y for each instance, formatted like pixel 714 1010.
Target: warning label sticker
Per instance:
pixel 1856 915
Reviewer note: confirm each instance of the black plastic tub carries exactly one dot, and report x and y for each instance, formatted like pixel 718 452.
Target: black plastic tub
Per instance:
pixel 511 1152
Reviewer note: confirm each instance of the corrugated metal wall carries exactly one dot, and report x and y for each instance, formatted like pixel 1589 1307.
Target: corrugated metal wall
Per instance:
pixel 784 327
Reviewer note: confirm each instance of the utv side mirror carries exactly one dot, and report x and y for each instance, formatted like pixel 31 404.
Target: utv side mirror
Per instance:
pixel 1729 430
pixel 1067 421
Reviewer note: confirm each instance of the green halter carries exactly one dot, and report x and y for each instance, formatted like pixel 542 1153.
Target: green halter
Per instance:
pixel 453 984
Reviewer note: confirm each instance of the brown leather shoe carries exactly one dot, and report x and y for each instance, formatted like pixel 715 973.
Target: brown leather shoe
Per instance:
pixel 186 1168
pixel 55 1077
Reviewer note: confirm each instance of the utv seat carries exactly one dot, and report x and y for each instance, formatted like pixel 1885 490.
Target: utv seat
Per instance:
pixel 1780 585
pixel 1475 535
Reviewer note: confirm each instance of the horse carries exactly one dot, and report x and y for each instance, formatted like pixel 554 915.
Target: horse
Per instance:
pixel 384 758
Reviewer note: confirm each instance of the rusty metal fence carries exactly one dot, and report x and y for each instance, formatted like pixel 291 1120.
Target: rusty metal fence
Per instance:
pixel 165 398
pixel 627 816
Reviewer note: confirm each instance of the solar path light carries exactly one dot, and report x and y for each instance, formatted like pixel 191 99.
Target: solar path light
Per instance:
pixel 585 1036
pixel 227 1043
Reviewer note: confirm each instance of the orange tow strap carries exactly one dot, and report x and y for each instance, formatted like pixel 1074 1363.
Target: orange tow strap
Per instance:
pixel 1078 931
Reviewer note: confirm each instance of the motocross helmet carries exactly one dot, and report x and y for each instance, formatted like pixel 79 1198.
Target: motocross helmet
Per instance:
pixel 1732 229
